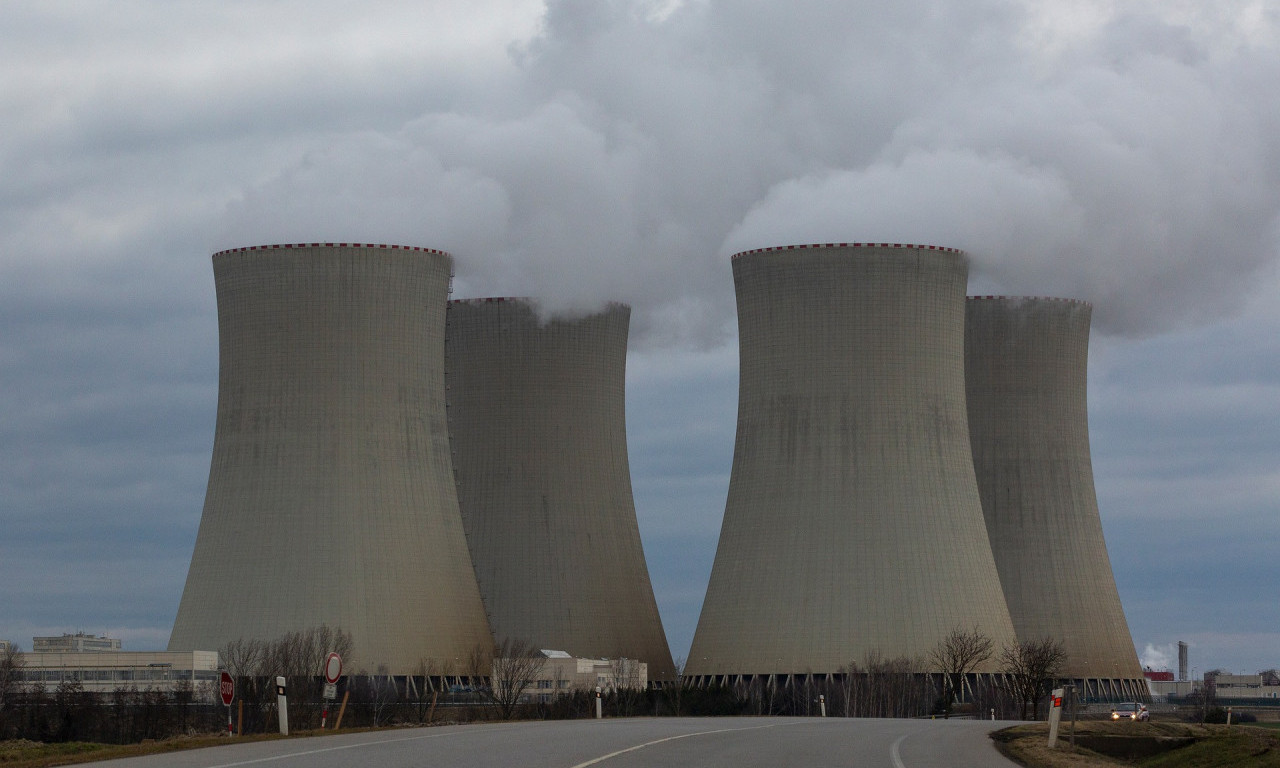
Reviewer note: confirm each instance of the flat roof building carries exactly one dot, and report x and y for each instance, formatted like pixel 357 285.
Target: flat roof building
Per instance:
pixel 107 671
pixel 72 643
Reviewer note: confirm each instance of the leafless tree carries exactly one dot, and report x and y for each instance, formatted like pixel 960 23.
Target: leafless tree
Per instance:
pixel 674 691
pixel 11 664
pixel 958 654
pixel 516 666
pixel 1030 668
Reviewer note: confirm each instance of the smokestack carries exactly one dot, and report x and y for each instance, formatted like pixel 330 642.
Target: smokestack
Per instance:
pixel 1182 660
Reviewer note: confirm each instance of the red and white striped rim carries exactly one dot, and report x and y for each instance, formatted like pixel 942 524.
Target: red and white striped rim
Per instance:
pixel 1030 298
pixel 290 246
pixel 776 248
pixel 490 300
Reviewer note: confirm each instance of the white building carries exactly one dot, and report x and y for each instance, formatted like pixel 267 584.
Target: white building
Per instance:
pixel 77 643
pixel 107 671
pixel 562 674
pixel 1264 685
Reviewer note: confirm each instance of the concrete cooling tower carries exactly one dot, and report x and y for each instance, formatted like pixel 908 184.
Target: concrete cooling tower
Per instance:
pixel 537 418
pixel 331 497
pixel 853 523
pixel 1025 371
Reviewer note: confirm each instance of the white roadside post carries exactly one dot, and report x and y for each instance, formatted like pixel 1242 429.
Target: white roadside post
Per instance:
pixel 822 700
pixel 282 704
pixel 599 704
pixel 1055 716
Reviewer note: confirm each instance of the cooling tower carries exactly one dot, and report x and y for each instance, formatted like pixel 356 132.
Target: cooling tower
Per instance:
pixel 331 496
pixel 537 418
pixel 853 523
pixel 1025 369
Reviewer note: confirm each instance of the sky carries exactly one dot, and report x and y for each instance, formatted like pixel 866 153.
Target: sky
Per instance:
pixel 582 151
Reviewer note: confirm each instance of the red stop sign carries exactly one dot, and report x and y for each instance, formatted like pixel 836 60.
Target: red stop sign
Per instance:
pixel 227 686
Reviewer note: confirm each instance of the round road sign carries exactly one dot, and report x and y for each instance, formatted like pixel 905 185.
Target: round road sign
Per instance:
pixel 227 687
pixel 332 668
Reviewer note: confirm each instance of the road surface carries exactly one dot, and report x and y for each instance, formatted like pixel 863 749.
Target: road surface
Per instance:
pixel 737 742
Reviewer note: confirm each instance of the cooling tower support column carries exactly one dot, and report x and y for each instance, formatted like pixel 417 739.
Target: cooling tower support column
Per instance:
pixel 853 523
pixel 331 497
pixel 537 416
pixel 1026 363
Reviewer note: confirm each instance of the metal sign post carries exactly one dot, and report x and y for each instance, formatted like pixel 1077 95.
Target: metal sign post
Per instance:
pixel 1055 716
pixel 282 704
pixel 332 671
pixel 227 687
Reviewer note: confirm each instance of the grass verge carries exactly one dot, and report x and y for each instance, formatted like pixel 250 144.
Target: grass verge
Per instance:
pixel 33 754
pixel 1100 744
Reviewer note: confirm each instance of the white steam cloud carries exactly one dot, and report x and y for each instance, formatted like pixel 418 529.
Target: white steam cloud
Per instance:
pixel 1126 156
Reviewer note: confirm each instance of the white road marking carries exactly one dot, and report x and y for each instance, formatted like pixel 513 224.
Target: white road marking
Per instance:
pixel 893 753
pixel 602 758
pixel 292 755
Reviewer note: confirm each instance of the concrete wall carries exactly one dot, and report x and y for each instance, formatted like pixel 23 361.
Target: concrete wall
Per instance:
pixel 853 522
pixel 1025 370
pixel 537 416
pixel 331 497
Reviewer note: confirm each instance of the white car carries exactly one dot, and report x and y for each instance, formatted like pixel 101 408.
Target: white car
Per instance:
pixel 1130 710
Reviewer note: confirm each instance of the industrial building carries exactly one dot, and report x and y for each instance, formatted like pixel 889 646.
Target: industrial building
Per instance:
pixel 1026 362
pixel 109 671
pixel 853 523
pixel 331 498
pixel 78 642
pixel 561 674
pixel 538 425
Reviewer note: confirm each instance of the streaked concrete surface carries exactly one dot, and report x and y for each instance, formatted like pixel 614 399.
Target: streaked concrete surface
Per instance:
pixel 537 419
pixel 688 742
pixel 853 522
pixel 1026 365
pixel 331 497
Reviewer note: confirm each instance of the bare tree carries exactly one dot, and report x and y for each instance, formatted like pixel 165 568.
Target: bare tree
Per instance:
pixel 11 664
pixel 516 666
pixel 674 691
pixel 1030 668
pixel 958 654
pixel 242 657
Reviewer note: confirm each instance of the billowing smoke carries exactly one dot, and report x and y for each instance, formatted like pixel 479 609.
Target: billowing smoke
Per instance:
pixel 1129 157
pixel 1158 657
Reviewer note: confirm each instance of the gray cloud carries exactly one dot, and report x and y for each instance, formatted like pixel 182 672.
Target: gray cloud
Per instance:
pixel 588 151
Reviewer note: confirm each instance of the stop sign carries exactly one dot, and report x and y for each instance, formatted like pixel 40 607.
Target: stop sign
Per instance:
pixel 228 688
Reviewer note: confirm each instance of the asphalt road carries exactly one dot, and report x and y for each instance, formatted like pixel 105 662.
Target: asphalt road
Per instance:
pixel 624 743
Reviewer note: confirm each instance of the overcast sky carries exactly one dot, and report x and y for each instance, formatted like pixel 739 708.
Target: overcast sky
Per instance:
pixel 1126 153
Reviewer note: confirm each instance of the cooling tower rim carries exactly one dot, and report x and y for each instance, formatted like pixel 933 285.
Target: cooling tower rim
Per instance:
pixel 291 246
pixel 1081 302
pixel 527 300
pixel 493 300
pixel 806 246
